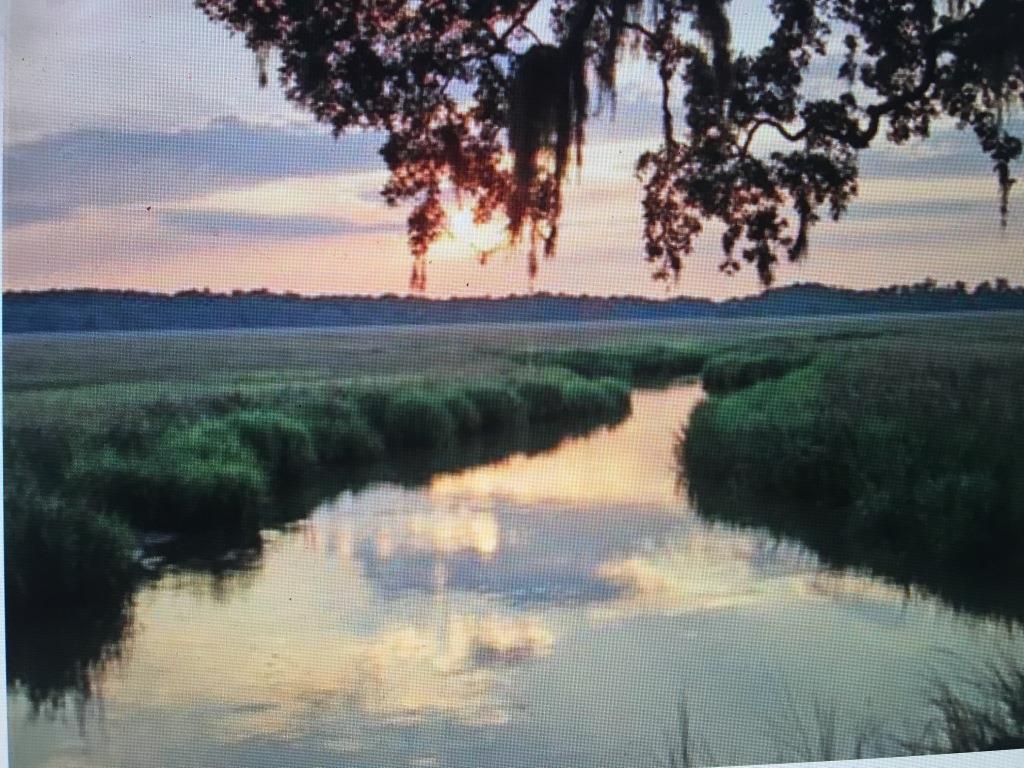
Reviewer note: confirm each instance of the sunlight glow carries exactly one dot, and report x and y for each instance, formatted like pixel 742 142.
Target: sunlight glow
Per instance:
pixel 465 237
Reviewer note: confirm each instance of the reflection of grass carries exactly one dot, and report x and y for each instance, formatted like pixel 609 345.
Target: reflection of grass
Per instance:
pixel 60 657
pixel 987 715
pixel 906 458
pixel 210 463
pixel 990 716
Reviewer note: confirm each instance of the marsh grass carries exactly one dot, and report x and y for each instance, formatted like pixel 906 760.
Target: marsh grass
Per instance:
pixel 644 364
pixel 885 432
pixel 56 550
pixel 854 422
pixel 792 733
pixel 904 458
pixel 69 574
pixel 733 371
pixel 219 463
pixel 987 713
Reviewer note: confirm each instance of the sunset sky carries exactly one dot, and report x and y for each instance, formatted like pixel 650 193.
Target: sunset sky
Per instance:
pixel 141 153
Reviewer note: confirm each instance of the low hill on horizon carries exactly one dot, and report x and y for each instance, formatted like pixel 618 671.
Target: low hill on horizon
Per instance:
pixel 92 310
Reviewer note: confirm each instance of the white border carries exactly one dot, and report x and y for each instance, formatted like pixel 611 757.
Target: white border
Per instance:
pixel 1010 758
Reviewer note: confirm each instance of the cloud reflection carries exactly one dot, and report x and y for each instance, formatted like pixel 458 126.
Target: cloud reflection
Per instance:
pixel 309 642
pixel 709 568
pixel 463 604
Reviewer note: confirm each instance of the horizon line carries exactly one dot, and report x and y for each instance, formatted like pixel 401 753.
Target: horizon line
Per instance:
pixel 413 296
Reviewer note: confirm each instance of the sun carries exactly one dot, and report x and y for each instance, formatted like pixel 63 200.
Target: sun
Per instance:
pixel 478 238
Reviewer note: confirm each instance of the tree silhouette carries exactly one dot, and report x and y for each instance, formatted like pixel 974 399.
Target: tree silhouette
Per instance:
pixel 490 99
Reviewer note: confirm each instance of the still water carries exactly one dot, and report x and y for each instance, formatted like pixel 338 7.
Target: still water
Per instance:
pixel 559 609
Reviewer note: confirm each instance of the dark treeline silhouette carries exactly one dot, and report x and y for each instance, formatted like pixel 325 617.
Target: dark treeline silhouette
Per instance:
pixel 90 310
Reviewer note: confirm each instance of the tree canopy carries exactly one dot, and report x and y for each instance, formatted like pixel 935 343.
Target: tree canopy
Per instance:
pixel 490 99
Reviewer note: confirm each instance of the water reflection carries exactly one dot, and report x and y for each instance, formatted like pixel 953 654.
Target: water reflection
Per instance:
pixel 548 609
pixel 65 659
pixel 630 468
pixel 969 589
pixel 58 663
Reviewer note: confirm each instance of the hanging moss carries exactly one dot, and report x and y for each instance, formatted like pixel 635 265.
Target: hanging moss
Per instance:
pixel 548 110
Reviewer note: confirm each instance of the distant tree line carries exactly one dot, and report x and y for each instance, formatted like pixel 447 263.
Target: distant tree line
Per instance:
pixel 999 286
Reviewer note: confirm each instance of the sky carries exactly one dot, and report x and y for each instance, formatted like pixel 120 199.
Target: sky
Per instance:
pixel 140 153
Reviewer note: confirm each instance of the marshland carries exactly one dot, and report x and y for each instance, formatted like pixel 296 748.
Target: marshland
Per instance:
pixel 580 545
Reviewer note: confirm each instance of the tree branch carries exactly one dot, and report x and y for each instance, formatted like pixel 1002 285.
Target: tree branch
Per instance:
pixel 580 19
pixel 666 109
pixel 861 138
pixel 519 22
pixel 932 48
pixel 632 26
pixel 779 127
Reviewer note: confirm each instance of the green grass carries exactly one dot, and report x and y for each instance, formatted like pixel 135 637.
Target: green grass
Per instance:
pixel 56 550
pixel 207 462
pixel 903 455
pixel 732 371
pixel 207 433
pixel 641 363
pixel 221 461
pixel 189 477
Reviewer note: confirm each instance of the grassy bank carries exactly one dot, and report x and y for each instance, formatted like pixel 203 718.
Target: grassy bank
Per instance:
pixel 640 363
pixel 77 502
pixel 903 455
pixel 109 437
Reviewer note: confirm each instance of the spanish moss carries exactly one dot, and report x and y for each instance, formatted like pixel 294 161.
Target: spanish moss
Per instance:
pixel 548 110
pixel 711 21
